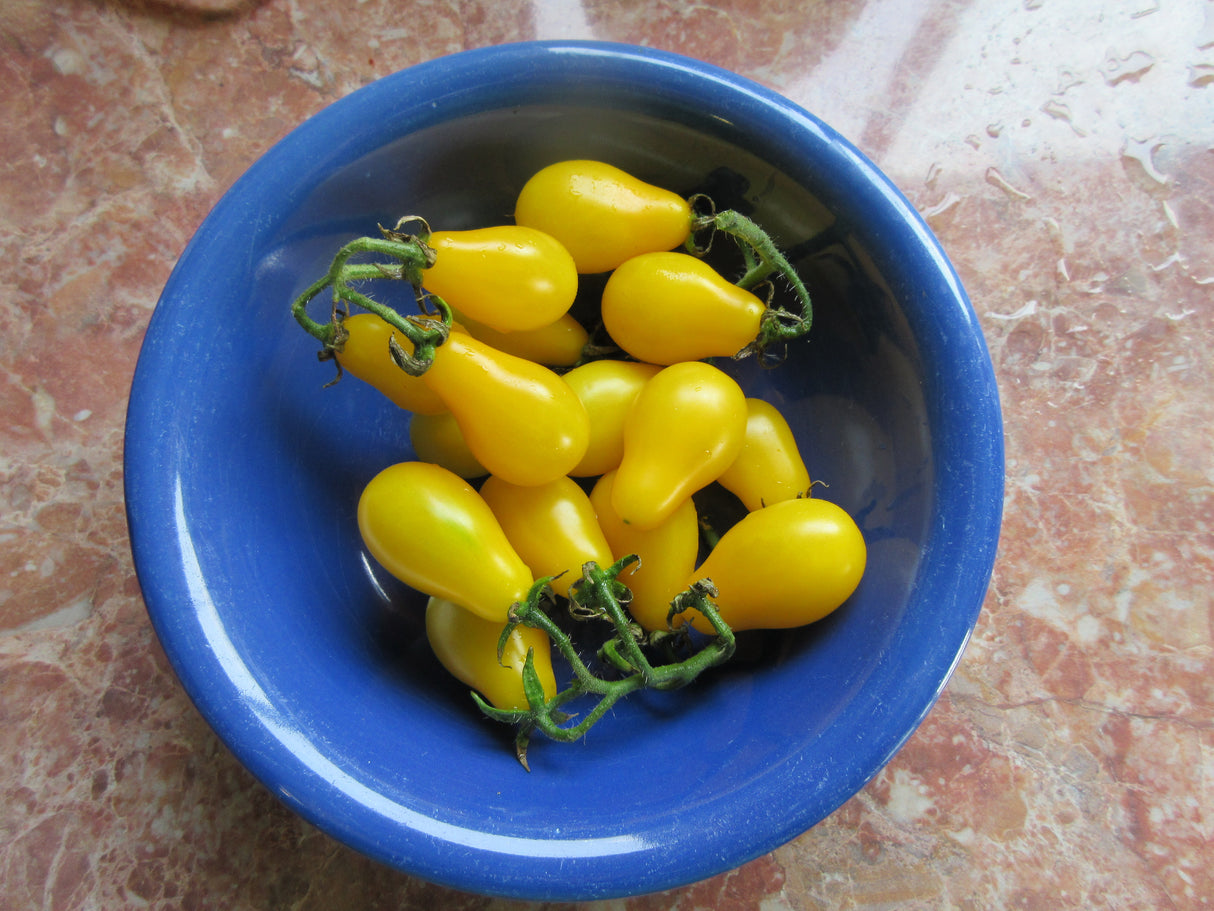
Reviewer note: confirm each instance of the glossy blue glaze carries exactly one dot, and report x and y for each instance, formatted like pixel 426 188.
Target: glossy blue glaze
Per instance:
pixel 242 475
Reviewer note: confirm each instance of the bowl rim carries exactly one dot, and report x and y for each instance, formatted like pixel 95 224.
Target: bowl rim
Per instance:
pixel 453 85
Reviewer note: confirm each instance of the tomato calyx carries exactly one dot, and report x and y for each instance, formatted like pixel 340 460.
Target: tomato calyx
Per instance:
pixel 762 260
pixel 625 656
pixel 407 257
pixel 432 333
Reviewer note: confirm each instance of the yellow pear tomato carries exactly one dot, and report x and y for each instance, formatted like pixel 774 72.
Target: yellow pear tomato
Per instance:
pixel 466 645
pixel 769 468
pixel 601 214
pixel 558 344
pixel 607 389
pixel 365 355
pixel 670 307
pixel 667 554
pixel 784 565
pixel 552 526
pixel 430 529
pixel 509 277
pixel 520 420
pixel 685 428
pixel 437 438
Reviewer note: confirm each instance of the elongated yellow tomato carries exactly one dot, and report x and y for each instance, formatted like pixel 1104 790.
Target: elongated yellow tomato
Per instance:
pixel 558 344
pixel 607 389
pixel 670 307
pixel 429 528
pixel 601 214
pixel 437 438
pixel 769 469
pixel 365 355
pixel 684 429
pixel 466 645
pixel 509 277
pixel 784 565
pixel 519 419
pixel 552 527
pixel 667 554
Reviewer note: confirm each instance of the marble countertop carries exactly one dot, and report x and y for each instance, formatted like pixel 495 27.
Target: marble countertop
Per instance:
pixel 1063 152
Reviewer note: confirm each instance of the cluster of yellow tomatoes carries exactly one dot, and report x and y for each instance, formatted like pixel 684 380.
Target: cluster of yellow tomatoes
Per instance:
pixel 588 460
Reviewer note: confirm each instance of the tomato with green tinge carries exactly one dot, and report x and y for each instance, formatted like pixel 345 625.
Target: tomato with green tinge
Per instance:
pixel 430 528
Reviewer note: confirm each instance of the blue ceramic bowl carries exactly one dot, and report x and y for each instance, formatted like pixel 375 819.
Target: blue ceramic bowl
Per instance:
pixel 242 475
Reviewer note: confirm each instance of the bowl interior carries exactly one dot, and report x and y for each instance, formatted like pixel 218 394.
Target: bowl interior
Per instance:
pixel 244 473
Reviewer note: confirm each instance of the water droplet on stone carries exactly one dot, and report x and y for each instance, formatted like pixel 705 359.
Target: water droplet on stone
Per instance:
pixel 995 179
pixel 1201 74
pixel 1118 69
pixel 1141 151
pixel 1060 111
pixel 1067 79
pixel 950 200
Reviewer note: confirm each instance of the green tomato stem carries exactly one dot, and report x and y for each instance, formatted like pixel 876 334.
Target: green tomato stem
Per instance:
pixel 410 257
pixel 531 613
pixel 761 259
pixel 600 594
pixel 599 590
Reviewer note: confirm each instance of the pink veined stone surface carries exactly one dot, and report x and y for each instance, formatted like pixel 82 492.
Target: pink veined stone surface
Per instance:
pixel 1062 150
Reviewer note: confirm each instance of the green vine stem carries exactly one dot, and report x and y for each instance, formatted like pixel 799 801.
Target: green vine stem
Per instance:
pixel 762 260
pixel 409 256
pixel 600 594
